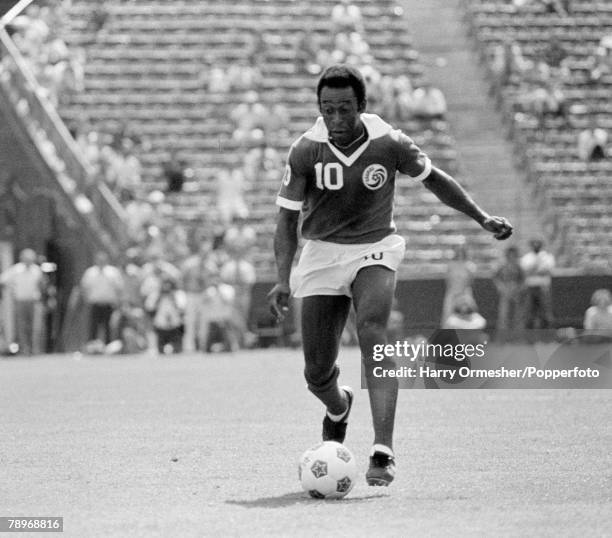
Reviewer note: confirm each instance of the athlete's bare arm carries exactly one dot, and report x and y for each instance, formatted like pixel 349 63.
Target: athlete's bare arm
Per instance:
pixel 455 196
pixel 285 246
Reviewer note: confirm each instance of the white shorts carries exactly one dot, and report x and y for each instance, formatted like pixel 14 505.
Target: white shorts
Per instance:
pixel 328 268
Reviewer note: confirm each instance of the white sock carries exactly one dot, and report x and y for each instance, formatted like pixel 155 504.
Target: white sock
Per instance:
pixel 382 448
pixel 337 418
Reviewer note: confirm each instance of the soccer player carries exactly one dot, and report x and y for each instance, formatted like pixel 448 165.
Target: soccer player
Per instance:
pixel 340 175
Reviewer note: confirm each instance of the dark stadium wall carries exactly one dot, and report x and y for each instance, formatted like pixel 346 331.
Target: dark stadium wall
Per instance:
pixel 420 300
pixel 33 213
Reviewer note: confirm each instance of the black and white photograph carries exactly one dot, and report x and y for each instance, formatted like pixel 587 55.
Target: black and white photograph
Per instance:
pixel 306 268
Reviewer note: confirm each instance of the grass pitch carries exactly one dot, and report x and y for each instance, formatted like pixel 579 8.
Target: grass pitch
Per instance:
pixel 191 445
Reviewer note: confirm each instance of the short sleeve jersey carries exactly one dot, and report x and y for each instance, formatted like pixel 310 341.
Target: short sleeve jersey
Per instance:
pixel 349 198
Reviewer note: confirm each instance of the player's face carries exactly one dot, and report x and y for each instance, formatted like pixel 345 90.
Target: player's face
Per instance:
pixel 340 111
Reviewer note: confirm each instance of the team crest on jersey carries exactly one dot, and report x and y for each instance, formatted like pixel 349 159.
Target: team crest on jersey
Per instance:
pixel 374 176
pixel 287 175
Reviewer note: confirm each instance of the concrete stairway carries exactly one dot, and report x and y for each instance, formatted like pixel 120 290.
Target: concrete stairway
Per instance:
pixel 485 155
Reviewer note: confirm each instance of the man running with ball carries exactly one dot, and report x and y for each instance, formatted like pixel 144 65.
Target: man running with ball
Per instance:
pixel 340 176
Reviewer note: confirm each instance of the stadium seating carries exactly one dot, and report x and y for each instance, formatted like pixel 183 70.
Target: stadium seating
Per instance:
pixel 145 67
pixel 574 195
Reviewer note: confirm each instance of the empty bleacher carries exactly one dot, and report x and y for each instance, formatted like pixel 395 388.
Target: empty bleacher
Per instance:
pixel 574 195
pixel 145 68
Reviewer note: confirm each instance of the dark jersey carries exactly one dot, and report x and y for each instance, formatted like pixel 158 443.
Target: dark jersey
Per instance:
pixel 349 199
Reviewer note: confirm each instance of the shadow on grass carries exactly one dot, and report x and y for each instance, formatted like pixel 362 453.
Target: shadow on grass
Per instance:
pixel 300 497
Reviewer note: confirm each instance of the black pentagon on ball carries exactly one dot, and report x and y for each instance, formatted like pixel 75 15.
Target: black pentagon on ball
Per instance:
pixel 343 485
pixel 343 454
pixel 318 469
pixel 316 494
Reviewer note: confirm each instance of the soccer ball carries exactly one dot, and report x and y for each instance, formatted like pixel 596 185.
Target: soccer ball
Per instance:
pixel 327 470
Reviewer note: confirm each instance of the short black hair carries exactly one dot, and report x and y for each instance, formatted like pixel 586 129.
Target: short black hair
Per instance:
pixel 343 76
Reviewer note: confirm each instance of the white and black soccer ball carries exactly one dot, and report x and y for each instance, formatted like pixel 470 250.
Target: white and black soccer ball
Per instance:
pixel 327 470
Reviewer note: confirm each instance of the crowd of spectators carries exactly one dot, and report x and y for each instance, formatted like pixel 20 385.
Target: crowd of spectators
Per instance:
pixel 523 284
pixel 59 71
pixel 563 8
pixel 37 34
pixel 113 158
pixel 391 95
pixel 31 286
pixel 167 304
pixel 541 82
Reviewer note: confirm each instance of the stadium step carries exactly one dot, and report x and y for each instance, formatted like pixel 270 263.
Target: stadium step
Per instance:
pixel 485 156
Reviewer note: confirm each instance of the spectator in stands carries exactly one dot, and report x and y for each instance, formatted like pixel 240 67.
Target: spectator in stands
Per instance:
pixel 306 52
pixel 154 273
pixel 555 56
pixel 97 19
pixel 592 142
pixel 509 281
pixel 230 195
pixel 243 76
pixel 128 329
pixel 249 116
pixel 215 78
pixel 89 143
pixel 240 236
pixel 357 49
pixel 54 71
pixel 196 274
pixel 508 62
pixel 404 98
pixel 32 33
pixel 129 174
pixel 176 172
pixel 598 317
pixel 372 78
pixel 74 79
pixel 549 6
pixel 128 322
pixel 555 6
pixel 102 287
pixel 169 236
pixel 132 275
pixel 49 325
pixel 139 214
pixel 167 306
pixel 429 102
pixel 262 163
pixel 256 48
pixel 538 266
pixel 221 328
pixel 464 315
pixel 387 97
pixel 600 65
pixel 24 282
pixel 554 53
pixel 122 168
pixel 239 273
pixel 346 18
pixel 546 100
pixel 161 208
pixel 459 279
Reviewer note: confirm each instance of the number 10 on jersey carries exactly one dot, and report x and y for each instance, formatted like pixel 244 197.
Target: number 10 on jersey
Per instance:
pixel 329 176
